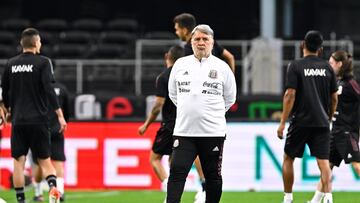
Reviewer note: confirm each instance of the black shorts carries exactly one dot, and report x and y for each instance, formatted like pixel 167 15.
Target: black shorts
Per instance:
pixel 32 136
pixel 163 141
pixel 317 138
pixel 57 152
pixel 344 145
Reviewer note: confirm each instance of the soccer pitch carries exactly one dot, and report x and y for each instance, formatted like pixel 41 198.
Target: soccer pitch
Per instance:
pixel 114 196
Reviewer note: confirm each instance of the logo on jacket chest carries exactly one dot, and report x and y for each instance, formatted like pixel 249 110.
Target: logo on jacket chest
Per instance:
pixel 213 74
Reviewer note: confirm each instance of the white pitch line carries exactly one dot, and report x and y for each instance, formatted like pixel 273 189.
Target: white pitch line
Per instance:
pixel 95 194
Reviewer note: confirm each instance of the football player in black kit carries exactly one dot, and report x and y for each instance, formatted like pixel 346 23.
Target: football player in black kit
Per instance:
pixel 164 137
pixel 310 100
pixel 27 92
pixel 57 146
pixel 344 144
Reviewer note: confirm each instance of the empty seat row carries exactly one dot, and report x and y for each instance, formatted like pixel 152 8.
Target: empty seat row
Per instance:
pixel 75 51
pixel 58 25
pixel 84 37
pixel 81 51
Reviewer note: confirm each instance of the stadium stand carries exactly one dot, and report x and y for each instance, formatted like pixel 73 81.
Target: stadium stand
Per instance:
pixel 123 24
pixel 88 24
pixel 71 51
pixel 15 24
pixel 108 51
pixel 7 38
pixel 52 25
pixel 160 35
pixel 7 51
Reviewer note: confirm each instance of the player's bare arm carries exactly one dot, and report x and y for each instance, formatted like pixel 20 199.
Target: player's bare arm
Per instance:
pixel 62 121
pixel 159 103
pixel 334 101
pixel 288 103
pixel 230 59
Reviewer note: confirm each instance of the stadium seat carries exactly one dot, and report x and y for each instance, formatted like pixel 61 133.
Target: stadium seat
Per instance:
pixel 160 35
pixel 123 24
pixel 48 38
pixel 8 38
pixel 87 24
pixel 70 51
pixel 7 51
pixel 52 25
pixel 75 37
pixel 47 50
pixel 154 52
pixel 108 51
pixel 117 37
pixel 15 24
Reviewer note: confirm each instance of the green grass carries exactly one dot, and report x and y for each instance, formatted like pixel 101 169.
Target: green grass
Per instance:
pixel 114 196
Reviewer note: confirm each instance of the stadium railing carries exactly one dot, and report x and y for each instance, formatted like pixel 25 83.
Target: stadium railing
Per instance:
pixel 137 76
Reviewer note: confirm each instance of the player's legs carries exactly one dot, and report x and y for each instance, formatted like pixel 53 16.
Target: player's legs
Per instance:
pixel 37 178
pixel 319 193
pixel 40 146
pixel 18 178
pixel 59 168
pixel 200 172
pixel 162 146
pixel 183 156
pixel 356 166
pixel 211 154
pixel 200 195
pixel 325 176
pixel 288 173
pixel 58 158
pixel 19 149
pixel 155 161
pixel 294 147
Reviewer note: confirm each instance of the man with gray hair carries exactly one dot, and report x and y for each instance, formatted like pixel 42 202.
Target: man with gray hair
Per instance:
pixel 203 88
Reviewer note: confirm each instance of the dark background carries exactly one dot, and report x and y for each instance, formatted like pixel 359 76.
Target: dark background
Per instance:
pixel 231 19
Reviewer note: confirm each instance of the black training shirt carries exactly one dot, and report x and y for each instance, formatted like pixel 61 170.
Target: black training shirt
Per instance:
pixel 216 51
pixel 27 90
pixel 347 111
pixel 63 99
pixel 169 109
pixel 314 81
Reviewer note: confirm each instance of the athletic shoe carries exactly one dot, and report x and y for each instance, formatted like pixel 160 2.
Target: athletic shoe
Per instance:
pixel 39 198
pixel 200 197
pixel 62 198
pixel 54 195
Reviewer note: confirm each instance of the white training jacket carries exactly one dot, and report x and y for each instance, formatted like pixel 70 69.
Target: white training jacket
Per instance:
pixel 202 92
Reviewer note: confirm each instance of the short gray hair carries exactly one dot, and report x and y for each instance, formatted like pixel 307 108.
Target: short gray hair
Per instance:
pixel 204 29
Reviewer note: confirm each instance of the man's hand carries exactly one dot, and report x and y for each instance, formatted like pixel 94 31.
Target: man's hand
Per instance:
pixel 280 130
pixel 63 124
pixel 142 129
pixel 2 116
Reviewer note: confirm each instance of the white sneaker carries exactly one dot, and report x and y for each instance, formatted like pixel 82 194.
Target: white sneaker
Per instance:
pixel 200 197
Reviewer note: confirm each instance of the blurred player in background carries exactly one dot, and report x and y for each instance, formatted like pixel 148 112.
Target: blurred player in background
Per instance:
pixel 310 99
pixel 184 24
pixel 344 143
pixel 57 146
pixel 28 95
pixel 164 137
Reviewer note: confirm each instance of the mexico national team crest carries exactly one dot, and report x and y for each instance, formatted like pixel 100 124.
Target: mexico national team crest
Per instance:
pixel 213 74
